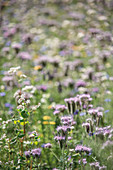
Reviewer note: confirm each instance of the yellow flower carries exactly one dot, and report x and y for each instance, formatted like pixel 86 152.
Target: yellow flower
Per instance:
pixel 46 117
pixel 45 122
pixel 52 123
pixel 78 48
pixel 38 67
pixel 15 121
pixel 108 65
pixel 22 123
pixel 19 73
pixel 36 143
pixel 49 107
pixel 35 56
pixel 28 161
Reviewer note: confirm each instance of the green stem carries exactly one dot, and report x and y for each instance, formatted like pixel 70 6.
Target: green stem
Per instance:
pixel 55 156
pixel 24 130
pixel 63 163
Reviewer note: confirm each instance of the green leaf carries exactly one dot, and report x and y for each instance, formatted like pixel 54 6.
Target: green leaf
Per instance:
pixel 21 135
pixel 13 142
pixel 24 114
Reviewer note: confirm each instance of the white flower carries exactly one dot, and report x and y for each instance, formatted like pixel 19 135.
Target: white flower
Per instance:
pixel 16 93
pixel 13 70
pixel 33 90
pixel 39 104
pixel 20 101
pixel 20 107
pixel 65 23
pixel 36 106
pixel 43 100
pixel 27 88
pixel 27 142
pixel 23 96
pixel 23 76
pixel 28 101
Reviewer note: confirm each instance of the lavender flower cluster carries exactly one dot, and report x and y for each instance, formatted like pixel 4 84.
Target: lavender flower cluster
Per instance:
pixel 34 152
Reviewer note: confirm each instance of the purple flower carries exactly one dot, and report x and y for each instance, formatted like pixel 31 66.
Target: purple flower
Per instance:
pixel 91 134
pixel 27 154
pixel 82 113
pixel 59 138
pixel 107 100
pixel 84 161
pixel 24 55
pixel 8 43
pixel 2 94
pixel 27 38
pixel 36 152
pixel 7 78
pixel 80 83
pixel 100 114
pixel 76 112
pixel 69 137
pixel 6 49
pixel 63 128
pixel 81 148
pixel 95 90
pixel 67 120
pixel 7 105
pixel 47 145
pixel 60 107
pixel 16 45
pixel 96 165
pixel 42 87
pixel 56 112
pixel 93 164
pixel 69 158
pixel 62 53
pixel 108 143
pixel 106 111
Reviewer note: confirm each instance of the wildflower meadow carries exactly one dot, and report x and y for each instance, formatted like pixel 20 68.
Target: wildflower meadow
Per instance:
pixel 56 84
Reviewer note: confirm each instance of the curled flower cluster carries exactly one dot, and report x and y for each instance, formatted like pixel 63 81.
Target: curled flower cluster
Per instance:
pixel 61 140
pixel 83 161
pixel 34 152
pixel 47 145
pixel 67 120
pixel 67 124
pixel 97 166
pixel 96 115
pixel 78 103
pixel 81 148
pixel 59 108
pixel 104 131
